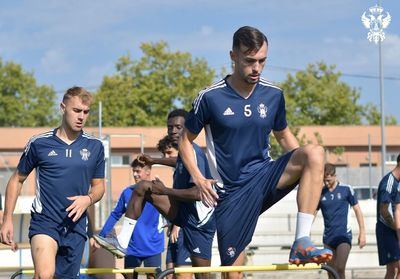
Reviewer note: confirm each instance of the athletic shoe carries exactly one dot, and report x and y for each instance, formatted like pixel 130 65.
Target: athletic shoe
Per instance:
pixel 303 251
pixel 111 244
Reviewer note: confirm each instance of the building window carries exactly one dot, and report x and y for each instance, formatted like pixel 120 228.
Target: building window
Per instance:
pixel 391 157
pixel 366 165
pixel 120 160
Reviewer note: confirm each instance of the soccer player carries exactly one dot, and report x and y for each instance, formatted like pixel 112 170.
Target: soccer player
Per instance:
pixel 167 147
pixel 179 205
pixel 146 243
pixel 70 177
pixel 387 226
pixel 239 113
pixel 336 198
pixel 177 254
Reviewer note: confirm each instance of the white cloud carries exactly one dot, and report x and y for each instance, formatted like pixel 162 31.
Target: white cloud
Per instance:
pixel 54 61
pixel 206 30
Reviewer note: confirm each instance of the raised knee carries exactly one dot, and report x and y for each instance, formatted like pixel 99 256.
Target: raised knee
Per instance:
pixel 314 153
pixel 142 187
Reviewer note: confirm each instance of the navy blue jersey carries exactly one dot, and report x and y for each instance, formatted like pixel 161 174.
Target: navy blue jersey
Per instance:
pixel 196 213
pixel 62 170
pixel 237 129
pixel 148 236
pixel 388 192
pixel 335 206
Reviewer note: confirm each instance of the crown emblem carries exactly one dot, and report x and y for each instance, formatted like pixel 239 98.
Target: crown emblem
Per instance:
pixel 376 20
pixel 376 10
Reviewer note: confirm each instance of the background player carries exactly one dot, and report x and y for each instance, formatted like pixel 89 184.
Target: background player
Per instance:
pixel 386 230
pixel 336 198
pixel 176 255
pixel 146 243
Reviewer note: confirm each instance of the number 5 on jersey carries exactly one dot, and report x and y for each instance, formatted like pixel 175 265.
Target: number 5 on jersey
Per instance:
pixel 247 111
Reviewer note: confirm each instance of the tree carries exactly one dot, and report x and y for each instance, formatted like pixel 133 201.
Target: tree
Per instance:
pixel 373 116
pixel 315 96
pixel 143 91
pixel 22 102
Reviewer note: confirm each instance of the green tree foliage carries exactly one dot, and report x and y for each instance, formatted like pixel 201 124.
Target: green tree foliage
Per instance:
pixel 373 116
pixel 316 96
pixel 22 102
pixel 143 91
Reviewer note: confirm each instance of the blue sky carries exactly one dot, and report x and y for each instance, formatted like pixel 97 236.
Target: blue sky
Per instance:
pixel 67 43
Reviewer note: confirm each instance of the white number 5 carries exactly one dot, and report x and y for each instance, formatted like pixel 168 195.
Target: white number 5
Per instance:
pixel 247 111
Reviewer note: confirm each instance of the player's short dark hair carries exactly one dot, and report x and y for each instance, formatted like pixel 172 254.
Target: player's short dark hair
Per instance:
pixel 136 163
pixel 398 159
pixel 80 92
pixel 177 112
pixel 249 37
pixel 330 169
pixel 165 143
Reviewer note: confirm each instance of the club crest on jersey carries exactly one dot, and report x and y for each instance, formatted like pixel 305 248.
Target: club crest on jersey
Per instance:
pixel 262 110
pixel 231 252
pixel 85 154
pixel 339 196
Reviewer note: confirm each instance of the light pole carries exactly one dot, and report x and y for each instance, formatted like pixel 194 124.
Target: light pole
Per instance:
pixel 376 20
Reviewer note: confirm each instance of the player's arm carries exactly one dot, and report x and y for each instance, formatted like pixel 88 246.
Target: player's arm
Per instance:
pixel 361 225
pixel 397 219
pixel 13 190
pixel 81 203
pixel 286 139
pixel 174 235
pixel 208 195
pixel 97 189
pixel 189 194
pixel 384 211
pixel 148 160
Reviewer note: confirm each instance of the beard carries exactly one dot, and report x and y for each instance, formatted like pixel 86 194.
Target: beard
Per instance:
pixel 250 80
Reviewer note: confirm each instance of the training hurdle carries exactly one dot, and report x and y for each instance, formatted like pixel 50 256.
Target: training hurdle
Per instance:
pixel 161 274
pixel 101 270
pixel 273 267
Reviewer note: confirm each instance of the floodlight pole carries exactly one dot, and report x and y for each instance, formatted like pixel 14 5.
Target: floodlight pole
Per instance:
pixel 375 21
pixel 381 93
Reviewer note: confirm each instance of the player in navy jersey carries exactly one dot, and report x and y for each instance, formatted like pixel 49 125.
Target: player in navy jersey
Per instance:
pixel 388 223
pixel 177 204
pixel 147 241
pixel 177 254
pixel 70 177
pixel 182 206
pixel 336 198
pixel 238 114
